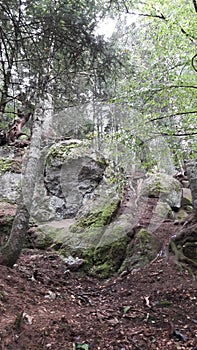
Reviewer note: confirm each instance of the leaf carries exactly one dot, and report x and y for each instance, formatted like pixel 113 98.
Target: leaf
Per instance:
pixel 126 309
pixel 82 346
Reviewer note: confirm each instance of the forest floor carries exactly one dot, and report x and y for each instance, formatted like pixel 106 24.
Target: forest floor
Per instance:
pixel 44 306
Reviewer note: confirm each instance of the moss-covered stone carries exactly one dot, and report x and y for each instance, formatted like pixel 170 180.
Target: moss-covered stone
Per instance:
pixel 7 164
pixel 99 217
pixel 165 187
pixel 184 246
pixel 181 214
pixel 63 149
pixel 163 210
pixel 140 251
pixel 46 236
pixel 187 198
pixel 102 248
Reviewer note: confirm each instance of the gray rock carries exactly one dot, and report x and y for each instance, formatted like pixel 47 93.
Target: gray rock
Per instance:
pixel 72 171
pixel 9 186
pixel 186 198
pixel 164 187
pixel 140 251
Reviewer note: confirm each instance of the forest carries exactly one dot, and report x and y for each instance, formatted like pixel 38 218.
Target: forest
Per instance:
pixel 98 174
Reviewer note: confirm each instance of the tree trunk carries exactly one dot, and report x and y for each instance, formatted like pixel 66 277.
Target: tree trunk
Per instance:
pixel 191 169
pixel 10 252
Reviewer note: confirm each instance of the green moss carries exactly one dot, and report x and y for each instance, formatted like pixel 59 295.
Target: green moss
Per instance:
pixel 5 165
pixel 140 251
pixel 100 217
pixel 103 253
pixel 103 271
pixel 43 241
pixel 160 184
pixel 63 150
pixel 101 162
pixel 165 303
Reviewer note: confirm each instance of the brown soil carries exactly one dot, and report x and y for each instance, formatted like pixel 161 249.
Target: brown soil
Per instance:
pixel 44 306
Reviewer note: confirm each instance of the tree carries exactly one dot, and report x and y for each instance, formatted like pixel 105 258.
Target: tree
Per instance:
pixel 54 45
pixel 50 46
pixel 161 89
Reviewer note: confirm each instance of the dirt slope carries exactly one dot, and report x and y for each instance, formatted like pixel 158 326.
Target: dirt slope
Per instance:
pixel 44 306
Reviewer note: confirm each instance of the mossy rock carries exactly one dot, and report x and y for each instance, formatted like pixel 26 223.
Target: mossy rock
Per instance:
pixel 63 149
pixel 163 210
pixel 186 199
pixel 100 215
pixel 141 251
pixel 7 164
pixel 45 236
pixel 102 248
pixel 111 249
pixel 184 246
pixel 181 214
pixel 73 170
pixel 164 187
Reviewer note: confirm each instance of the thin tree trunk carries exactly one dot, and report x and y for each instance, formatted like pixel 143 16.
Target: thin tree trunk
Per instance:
pixel 10 252
pixel 191 168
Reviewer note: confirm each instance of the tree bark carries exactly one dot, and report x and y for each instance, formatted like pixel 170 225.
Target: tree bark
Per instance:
pixel 191 169
pixel 10 252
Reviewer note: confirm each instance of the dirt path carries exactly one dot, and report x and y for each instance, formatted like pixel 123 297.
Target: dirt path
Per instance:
pixel 44 306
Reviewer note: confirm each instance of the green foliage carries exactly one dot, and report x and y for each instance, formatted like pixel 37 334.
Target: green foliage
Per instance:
pixel 51 47
pixel 160 87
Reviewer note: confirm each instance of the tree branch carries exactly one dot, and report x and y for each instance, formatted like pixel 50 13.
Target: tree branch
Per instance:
pixel 174 134
pixel 193 60
pixel 170 116
pixel 195 5
pixel 161 16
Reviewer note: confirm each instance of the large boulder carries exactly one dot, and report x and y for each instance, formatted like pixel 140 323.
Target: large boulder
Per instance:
pixel 165 187
pixel 72 171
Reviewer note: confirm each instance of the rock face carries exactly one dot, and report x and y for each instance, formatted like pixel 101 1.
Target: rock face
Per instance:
pixel 76 208
pixel 71 173
pixel 71 176
pixel 72 170
pixel 187 198
pixel 165 187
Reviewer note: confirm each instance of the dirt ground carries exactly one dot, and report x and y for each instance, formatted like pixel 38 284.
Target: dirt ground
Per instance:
pixel 44 306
